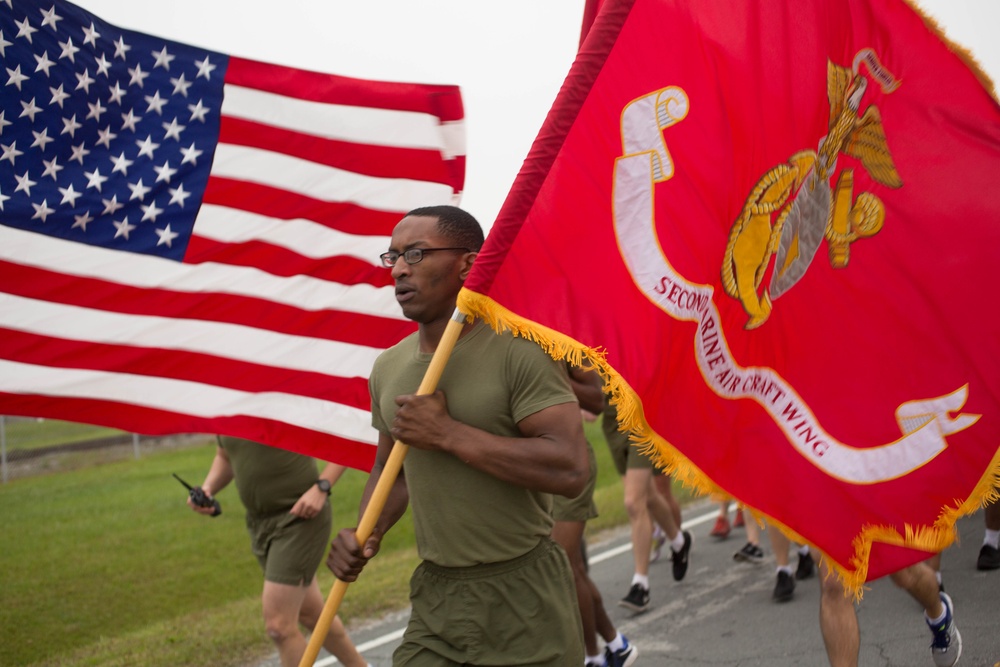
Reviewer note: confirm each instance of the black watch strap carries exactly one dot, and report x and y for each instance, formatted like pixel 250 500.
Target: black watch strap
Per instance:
pixel 324 485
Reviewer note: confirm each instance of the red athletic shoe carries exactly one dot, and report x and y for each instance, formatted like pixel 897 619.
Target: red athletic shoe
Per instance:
pixel 721 528
pixel 738 523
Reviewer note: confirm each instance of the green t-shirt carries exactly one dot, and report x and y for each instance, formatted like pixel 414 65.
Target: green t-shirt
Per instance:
pixel 463 516
pixel 269 479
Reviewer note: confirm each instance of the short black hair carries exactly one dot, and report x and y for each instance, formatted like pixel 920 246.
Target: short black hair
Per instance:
pixel 454 223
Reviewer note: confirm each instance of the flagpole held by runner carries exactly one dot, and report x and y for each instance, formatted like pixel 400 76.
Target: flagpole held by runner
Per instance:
pixel 385 482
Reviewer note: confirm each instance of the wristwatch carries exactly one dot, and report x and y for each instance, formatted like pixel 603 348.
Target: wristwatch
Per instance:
pixel 324 485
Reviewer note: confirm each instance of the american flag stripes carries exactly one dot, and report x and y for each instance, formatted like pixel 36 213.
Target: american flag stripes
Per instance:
pixel 189 241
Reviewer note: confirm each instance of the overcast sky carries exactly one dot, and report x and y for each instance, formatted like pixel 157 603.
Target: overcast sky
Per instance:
pixel 508 57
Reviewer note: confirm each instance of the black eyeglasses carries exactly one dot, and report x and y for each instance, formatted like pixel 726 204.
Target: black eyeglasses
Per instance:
pixel 411 256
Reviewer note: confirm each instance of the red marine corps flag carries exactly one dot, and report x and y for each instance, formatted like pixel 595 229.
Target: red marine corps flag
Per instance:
pixel 773 226
pixel 189 241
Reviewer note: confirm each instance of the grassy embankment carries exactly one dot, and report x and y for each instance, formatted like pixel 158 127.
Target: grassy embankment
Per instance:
pixel 105 565
pixel 28 434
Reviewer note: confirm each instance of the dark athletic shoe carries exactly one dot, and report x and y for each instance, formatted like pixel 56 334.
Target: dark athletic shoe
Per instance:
pixel 637 599
pixel 623 657
pixel 750 553
pixel 989 558
pixel 805 568
pixel 784 588
pixel 680 558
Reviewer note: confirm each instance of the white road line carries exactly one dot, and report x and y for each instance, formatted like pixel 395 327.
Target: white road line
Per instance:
pixel 620 549
pixel 367 646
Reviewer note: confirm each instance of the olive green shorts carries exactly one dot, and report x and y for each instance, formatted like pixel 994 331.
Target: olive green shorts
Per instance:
pixel 288 548
pixel 627 456
pixel 582 507
pixel 518 612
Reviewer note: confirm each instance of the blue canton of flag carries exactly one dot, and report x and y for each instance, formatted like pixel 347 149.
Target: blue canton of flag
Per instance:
pixel 106 135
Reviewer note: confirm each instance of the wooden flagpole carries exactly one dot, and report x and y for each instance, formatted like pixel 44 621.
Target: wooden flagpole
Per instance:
pixel 385 481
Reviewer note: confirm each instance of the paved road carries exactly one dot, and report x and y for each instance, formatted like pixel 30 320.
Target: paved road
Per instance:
pixel 722 615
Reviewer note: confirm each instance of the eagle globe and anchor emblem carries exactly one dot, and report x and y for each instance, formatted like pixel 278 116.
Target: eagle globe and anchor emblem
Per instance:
pixel 793 206
pixel 786 216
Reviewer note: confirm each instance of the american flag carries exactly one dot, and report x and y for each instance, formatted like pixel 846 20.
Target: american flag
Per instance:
pixel 189 241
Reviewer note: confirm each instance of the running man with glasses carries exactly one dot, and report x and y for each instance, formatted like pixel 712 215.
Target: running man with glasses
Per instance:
pixel 487 451
pixel 411 256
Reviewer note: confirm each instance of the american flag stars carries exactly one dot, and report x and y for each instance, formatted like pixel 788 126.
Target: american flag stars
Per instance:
pixel 106 135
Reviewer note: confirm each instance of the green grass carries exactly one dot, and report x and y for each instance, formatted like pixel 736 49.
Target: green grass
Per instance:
pixel 99 555
pixel 106 565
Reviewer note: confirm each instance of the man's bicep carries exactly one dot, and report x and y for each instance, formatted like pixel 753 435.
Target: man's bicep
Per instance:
pixel 560 448
pixel 558 421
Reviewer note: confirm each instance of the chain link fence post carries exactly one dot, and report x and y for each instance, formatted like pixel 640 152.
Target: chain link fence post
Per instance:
pixel 32 446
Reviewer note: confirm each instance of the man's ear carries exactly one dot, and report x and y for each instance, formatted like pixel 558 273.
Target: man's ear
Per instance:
pixel 470 259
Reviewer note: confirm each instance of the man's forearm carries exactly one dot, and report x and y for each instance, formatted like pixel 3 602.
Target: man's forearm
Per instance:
pixel 219 475
pixel 395 503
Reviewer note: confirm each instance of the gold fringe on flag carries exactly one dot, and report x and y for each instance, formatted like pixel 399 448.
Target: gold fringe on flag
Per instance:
pixel 963 53
pixel 559 346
